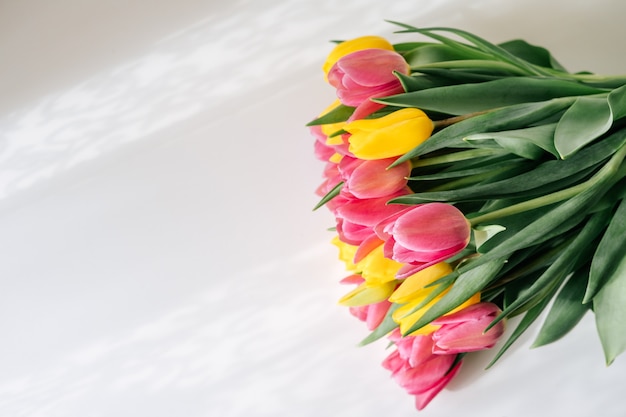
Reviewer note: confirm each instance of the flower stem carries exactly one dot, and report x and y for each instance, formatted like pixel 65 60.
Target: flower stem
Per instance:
pixel 440 124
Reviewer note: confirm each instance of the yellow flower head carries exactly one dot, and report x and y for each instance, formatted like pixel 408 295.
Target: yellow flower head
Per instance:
pixel 346 253
pixel 366 294
pixel 388 136
pixel 357 44
pixel 414 291
pixel 376 269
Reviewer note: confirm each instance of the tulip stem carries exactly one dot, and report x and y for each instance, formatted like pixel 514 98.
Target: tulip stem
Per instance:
pixel 611 168
pixel 440 124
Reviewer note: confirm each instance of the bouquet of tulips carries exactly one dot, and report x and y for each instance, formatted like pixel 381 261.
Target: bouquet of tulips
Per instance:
pixel 471 183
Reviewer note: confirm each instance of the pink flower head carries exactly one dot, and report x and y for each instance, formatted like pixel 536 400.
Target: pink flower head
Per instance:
pixel 464 331
pixel 373 178
pixel 356 218
pixel 365 74
pixel 416 369
pixel 424 235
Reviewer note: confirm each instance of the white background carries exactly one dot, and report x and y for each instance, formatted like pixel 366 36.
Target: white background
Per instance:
pixel 159 255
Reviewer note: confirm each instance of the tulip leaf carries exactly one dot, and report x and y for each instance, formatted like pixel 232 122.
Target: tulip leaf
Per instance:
pixel 586 120
pixel 528 319
pixel 610 313
pixel 433 52
pixel 461 99
pixel 617 102
pixel 508 118
pixel 566 311
pixel 559 172
pixel 610 253
pixel 465 286
pixel 330 195
pixel 529 143
pixel 419 82
pixel 384 328
pixel 579 250
pixel 536 55
pixel 340 113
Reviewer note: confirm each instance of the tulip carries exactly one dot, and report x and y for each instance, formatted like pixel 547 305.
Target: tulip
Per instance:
pixel 353 45
pixel 372 179
pixel 424 235
pixel 368 293
pixel 355 218
pixel 464 331
pixel 376 269
pixel 388 136
pixel 413 296
pixel 416 369
pixel 366 74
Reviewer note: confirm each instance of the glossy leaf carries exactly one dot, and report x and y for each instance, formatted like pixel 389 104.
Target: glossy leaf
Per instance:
pixel 462 99
pixel 554 171
pixel 566 311
pixel 610 253
pixel 574 253
pixel 334 192
pixel 586 120
pixel 536 55
pixel 528 143
pixel 528 319
pixel 610 313
pixel 617 102
pixel 340 113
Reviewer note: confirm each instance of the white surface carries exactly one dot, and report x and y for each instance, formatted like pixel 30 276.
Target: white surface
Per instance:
pixel 160 256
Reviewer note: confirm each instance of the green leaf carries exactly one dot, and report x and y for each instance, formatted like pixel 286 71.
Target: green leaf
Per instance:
pixel 340 113
pixel 610 253
pixel 609 306
pixel 484 46
pixel 617 102
pixel 528 143
pixel 330 195
pixel 566 311
pixel 586 120
pixel 509 118
pixel 465 286
pixel 528 319
pixel 419 82
pixel 560 172
pixel 536 55
pixel 384 328
pixel 462 99
pixel 574 253
pixel 429 53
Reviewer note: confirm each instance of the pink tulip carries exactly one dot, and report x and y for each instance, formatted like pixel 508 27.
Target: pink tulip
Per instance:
pixel 365 74
pixel 373 178
pixel 424 235
pixel 356 218
pixel 416 369
pixel 464 331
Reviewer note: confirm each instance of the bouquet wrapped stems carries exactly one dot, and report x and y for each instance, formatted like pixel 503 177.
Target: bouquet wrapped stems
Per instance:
pixel 470 183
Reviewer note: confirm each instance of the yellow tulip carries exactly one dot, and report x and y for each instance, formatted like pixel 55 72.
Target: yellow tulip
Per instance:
pixel 414 291
pixel 366 294
pixel 357 44
pixel 346 253
pixel 376 269
pixel 388 136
